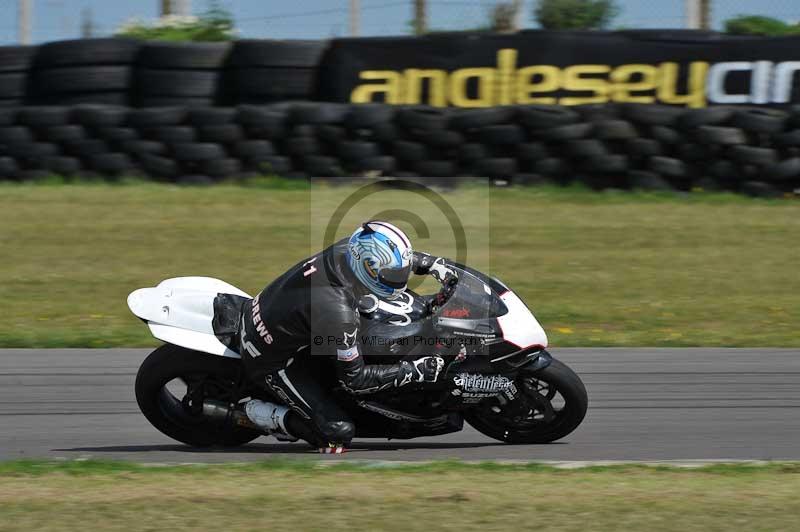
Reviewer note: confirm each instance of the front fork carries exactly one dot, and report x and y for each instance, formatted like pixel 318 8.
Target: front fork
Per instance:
pixel 516 367
pixel 523 396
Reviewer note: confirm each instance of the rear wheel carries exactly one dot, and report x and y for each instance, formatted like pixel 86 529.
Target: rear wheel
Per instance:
pixel 550 404
pixel 171 385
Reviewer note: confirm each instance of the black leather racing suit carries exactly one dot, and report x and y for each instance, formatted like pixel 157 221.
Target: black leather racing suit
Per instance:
pixel 308 311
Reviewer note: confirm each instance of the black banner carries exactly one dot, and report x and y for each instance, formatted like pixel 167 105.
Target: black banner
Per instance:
pixel 685 68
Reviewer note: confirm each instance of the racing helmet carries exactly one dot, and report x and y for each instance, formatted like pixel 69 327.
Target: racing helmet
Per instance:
pixel 379 254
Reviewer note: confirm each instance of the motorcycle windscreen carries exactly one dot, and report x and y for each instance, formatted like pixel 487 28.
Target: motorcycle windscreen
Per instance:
pixel 473 299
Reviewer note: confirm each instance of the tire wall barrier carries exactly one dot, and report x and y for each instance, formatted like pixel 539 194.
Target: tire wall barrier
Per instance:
pixel 682 68
pixel 753 150
pixel 199 112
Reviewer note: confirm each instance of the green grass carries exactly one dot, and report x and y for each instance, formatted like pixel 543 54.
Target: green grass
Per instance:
pixel 305 495
pixel 598 269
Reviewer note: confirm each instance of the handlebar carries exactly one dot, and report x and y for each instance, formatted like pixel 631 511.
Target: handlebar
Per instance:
pixel 441 297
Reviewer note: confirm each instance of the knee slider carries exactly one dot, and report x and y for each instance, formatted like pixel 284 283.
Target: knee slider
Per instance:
pixel 338 431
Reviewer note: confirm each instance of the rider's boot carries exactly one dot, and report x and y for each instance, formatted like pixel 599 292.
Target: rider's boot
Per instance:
pixel 270 418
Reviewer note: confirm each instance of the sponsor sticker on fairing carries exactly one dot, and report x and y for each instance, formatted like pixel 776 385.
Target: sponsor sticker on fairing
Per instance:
pixel 477 383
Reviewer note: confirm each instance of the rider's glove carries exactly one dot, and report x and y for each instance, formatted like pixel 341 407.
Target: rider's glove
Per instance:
pixel 424 264
pixel 421 263
pixel 425 369
pixel 442 272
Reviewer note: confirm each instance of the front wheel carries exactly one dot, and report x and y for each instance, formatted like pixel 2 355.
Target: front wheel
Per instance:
pixel 171 385
pixel 550 404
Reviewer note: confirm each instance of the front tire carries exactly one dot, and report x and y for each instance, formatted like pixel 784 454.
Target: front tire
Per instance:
pixel 181 418
pixel 540 420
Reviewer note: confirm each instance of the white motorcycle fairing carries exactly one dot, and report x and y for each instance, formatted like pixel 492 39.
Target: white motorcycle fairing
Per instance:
pixel 179 311
pixel 520 327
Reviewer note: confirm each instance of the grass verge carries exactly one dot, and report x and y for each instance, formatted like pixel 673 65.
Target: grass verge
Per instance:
pixel 598 269
pixel 302 495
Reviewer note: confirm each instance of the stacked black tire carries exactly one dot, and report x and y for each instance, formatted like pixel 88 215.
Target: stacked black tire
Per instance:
pixel 16 63
pixel 180 74
pixel 151 73
pixel 183 144
pixel 83 139
pixel 752 150
pixel 260 71
pixel 83 71
pixel 611 146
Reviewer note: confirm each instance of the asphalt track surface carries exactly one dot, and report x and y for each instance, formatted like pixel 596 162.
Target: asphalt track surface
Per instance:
pixel 645 404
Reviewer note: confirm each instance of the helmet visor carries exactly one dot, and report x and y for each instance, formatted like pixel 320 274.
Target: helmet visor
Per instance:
pixel 396 278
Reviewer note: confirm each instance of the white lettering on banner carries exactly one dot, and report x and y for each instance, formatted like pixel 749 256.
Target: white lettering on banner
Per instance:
pixel 717 75
pixel 769 83
pixel 784 81
pixel 762 77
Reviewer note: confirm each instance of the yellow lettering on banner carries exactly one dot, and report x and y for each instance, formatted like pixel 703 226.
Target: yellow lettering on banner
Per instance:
pixel 696 87
pixel 506 67
pixel 549 80
pixel 622 84
pixel 506 84
pixel 458 87
pixel 391 87
pixel 574 80
pixel 437 86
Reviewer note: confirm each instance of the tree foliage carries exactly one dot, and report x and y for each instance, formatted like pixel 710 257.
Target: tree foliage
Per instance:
pixel 216 24
pixel 575 14
pixel 757 25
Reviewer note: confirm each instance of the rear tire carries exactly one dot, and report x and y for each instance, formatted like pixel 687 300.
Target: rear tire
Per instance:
pixel 169 414
pixel 557 375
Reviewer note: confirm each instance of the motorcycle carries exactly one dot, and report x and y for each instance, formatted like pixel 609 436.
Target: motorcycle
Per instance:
pixel 498 375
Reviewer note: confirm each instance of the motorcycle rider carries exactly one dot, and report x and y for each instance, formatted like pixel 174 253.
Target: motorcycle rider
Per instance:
pixel 313 309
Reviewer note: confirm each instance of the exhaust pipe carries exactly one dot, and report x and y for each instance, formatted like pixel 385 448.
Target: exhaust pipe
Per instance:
pixel 223 413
